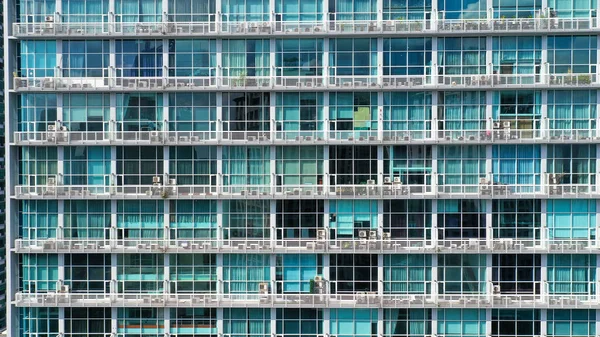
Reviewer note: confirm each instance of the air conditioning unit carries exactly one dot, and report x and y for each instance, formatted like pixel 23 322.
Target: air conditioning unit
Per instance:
pixel 506 125
pixel 386 235
pixel 362 234
pixel 172 181
pixel 156 179
pixel 387 180
pixel 397 180
pixel 52 127
pixel 483 181
pixel 64 128
pixel 263 288
pixel 496 289
pixel 49 18
pixel 321 234
pixel 552 179
pixel 370 182
pixel 496 125
pixel 318 278
pixel 64 289
pixel 51 181
pixel 372 234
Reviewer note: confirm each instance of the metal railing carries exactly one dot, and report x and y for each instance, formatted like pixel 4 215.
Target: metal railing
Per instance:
pixel 299 137
pixel 349 246
pixel 212 28
pixel 371 191
pixel 365 300
pixel 416 82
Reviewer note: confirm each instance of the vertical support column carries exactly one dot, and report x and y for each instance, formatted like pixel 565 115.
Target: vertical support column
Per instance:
pixel 489 152
pixel 489 113
pixel 60 231
pixel 434 60
pixel 61 269
pixel 325 70
pixel 380 322
pixel 165 54
pixel 380 275
pixel 220 231
pixel 435 96
pixel 219 71
pixel 489 231
pixel 489 265
pixel 273 321
pixel 61 321
pixel 597 231
pixel 273 223
pixel 273 274
pixel 379 52
pixel 597 285
pixel 166 274
pixel 114 320
pixel 114 274
pixel 489 58
pixel 434 224
pixel 165 18
pixel 434 321
pixel 272 56
pixel 544 181
pixel 273 119
pixel 167 318
pixel 488 322
pixel 326 173
pixel 545 67
pixel 273 168
pixel 220 284
pixel 543 223
pixel 379 165
pixel 326 227
pixel 113 224
pixel 380 121
pixel 544 278
pixel 434 278
pixel 544 123
pixel 220 320
pixel 434 165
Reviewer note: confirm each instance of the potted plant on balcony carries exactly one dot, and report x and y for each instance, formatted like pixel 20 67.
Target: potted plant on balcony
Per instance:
pixel 241 80
pixel 584 79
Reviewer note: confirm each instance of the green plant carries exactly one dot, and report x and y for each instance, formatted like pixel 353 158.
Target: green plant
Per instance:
pixel 584 79
pixel 346 245
pixel 312 286
pixel 165 193
pixel 242 78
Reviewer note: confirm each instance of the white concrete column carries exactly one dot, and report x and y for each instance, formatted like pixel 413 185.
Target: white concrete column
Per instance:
pixel 273 167
pixel 220 233
pixel 489 230
pixel 61 321
pixel 434 60
pixel 544 123
pixel 273 273
pixel 434 277
pixel 435 95
pixel 434 166
pixel 544 187
pixel 379 52
pixel 166 274
pixel 545 67
pixel 273 321
pixel 544 223
pixel 219 71
pixel 220 284
pixel 434 224
pixel 380 165
pixel 489 58
pixel 272 228
pixel 60 231
pixel 114 323
pixel 167 318
pixel 380 275
pixel 489 266
pixel 544 278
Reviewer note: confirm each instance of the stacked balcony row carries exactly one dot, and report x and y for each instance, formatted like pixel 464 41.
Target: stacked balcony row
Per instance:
pixel 303 64
pixel 304 226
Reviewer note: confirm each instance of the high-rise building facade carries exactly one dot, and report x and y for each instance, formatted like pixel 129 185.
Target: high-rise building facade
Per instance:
pixel 302 168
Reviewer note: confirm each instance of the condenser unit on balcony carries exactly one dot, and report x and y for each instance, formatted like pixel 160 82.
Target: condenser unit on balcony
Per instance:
pixel 263 288
pixel 496 289
pixel 172 181
pixel 156 180
pixel 51 181
pixel 506 125
pixel 318 278
pixel 49 18
pixel 321 234
pixel 64 128
pixel 370 182
pixel 362 234
pixel 63 289
pixel 387 180
pixel 397 180
pixel 496 125
pixel 52 127
pixel 386 235
pixel 483 181
pixel 372 234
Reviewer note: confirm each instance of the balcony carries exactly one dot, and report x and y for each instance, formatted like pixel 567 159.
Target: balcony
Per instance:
pixel 364 300
pixel 372 191
pixel 296 137
pixel 306 83
pixel 306 28
pixel 308 246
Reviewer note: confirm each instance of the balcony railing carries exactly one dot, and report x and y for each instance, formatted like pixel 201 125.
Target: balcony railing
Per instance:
pixel 308 246
pixel 365 300
pixel 305 83
pixel 493 190
pixel 296 137
pixel 258 28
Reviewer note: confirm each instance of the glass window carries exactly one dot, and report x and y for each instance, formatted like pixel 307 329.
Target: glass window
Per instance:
pixel 517 219
pixel 85 58
pixel 193 273
pixel 299 10
pixel 242 58
pixel 406 10
pixel 298 219
pixel 461 110
pixel 352 273
pixel 193 112
pixel 352 57
pixel 572 164
pixel 37 58
pixel 138 10
pixel 410 163
pixel 36 112
pixel 37 164
pixel 140 219
pixel 462 9
pixel 296 272
pixel 516 274
pixel 562 322
pixel 569 110
pixel 571 219
pixel 137 165
pixel 407 219
pixel 192 57
pixel 38 322
pixel 192 11
pixel 406 56
pixel 139 58
pixel 39 272
pixel 38 219
pixel 86 112
pixel 193 165
pixel 87 219
pixel 299 111
pixel 352 218
pixel 88 273
pixel 573 8
pixel 87 321
pixel 516 8
pixel 358 10
pixel 84 11
pixel 406 322
pixel 246 165
pixel 462 322
pixel 462 274
pixel 131 320
pixel 245 10
pixel 571 274
pixel 515 322
pixel 193 219
pixel 246 219
pixel 139 112
pixel 517 55
pixel 242 274
pixel 410 111
pixel 299 165
pixel 140 273
pixel 352 111
pixel 87 166
pixel 299 322
pixel 299 57
pixel 246 111
pixel 460 165
pixel 353 322
pixel 572 55
pixel 517 165
pixel 461 55
pixel 36 10
pixel 461 219
pixel 406 274
pixel 255 322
